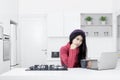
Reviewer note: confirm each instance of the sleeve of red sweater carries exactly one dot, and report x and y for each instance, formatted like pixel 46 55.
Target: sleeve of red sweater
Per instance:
pixel 64 57
pixel 68 59
pixel 73 57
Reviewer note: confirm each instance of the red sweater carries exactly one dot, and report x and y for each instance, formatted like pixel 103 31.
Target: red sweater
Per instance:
pixel 69 57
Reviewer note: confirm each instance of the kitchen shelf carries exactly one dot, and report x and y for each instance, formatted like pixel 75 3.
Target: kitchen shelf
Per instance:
pixel 97 25
pixel 97 29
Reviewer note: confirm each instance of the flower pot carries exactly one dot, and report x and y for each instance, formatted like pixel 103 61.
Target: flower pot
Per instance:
pixel 103 22
pixel 89 22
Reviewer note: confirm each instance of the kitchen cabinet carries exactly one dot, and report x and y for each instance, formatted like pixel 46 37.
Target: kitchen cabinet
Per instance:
pixel 55 24
pixel 4 65
pixel 55 61
pixel 8 11
pixel 6 25
pixel 71 22
pixel 1 32
pixel 1 54
pixel 118 32
pixel 33 42
pixel 61 24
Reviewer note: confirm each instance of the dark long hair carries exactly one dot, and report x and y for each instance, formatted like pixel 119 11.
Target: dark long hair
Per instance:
pixel 82 47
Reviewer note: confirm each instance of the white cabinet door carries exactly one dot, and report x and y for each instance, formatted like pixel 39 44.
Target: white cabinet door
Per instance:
pixel 1 31
pixel 71 22
pixel 33 41
pixel 13 33
pixel 5 23
pixel 1 55
pixel 55 24
pixel 62 24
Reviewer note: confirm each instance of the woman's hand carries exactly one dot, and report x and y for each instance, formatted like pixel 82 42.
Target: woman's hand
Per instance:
pixel 73 46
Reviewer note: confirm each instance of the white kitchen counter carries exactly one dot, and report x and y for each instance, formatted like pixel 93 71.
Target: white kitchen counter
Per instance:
pixel 71 74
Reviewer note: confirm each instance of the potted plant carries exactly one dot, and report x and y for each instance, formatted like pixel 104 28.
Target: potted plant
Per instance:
pixel 88 20
pixel 103 20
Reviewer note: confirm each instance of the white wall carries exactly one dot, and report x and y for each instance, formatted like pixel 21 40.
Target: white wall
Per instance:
pixel 95 45
pixel 43 6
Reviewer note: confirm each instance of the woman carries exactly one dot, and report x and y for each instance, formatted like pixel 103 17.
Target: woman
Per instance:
pixel 74 50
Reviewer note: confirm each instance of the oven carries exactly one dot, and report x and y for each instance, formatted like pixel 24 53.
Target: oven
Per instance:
pixel 54 54
pixel 6 47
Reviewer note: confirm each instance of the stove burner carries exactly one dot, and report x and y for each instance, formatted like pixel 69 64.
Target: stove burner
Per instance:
pixel 46 67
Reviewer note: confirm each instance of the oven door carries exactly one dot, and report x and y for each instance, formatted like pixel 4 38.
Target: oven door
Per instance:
pixel 6 48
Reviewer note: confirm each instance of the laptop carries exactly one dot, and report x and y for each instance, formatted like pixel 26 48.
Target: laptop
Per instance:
pixel 108 60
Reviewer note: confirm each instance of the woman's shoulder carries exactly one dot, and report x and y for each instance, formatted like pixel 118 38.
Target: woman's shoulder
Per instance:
pixel 65 47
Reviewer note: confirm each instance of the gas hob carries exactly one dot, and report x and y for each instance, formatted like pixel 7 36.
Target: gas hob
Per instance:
pixel 46 68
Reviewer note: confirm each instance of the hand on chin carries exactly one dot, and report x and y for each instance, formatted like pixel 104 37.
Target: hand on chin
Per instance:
pixel 73 46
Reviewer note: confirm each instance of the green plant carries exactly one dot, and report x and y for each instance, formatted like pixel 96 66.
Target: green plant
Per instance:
pixel 103 18
pixel 88 18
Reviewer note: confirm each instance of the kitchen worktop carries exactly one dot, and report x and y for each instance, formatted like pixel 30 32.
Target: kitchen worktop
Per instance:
pixel 71 74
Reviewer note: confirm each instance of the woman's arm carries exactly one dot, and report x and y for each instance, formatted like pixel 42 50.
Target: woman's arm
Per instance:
pixel 69 57
pixel 64 57
pixel 73 57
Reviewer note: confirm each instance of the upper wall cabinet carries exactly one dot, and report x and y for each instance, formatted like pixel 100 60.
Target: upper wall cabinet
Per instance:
pixel 97 25
pixel 118 26
pixel 55 24
pixel 9 11
pixel 71 22
pixel 61 24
